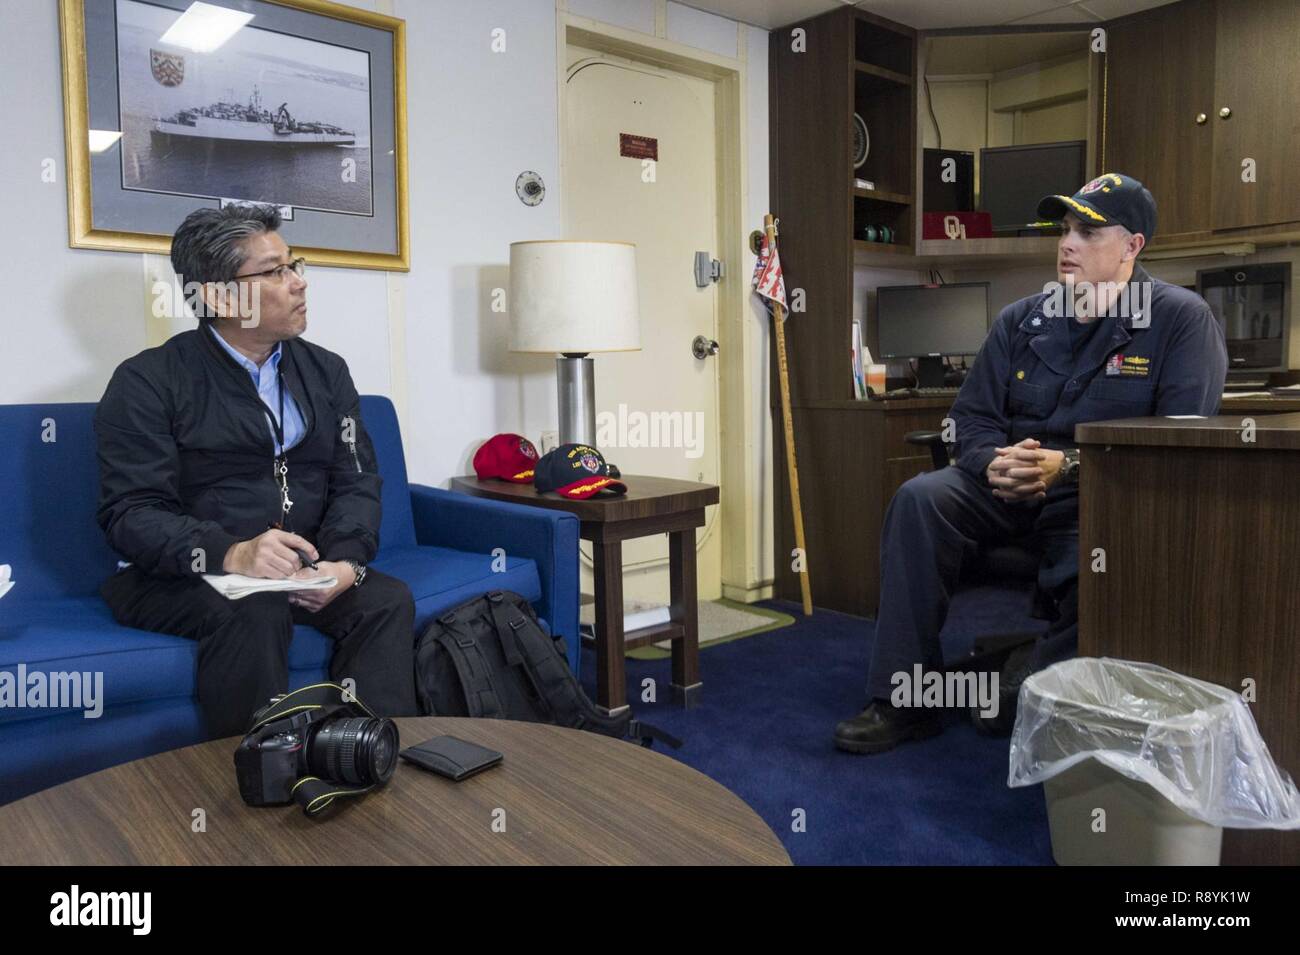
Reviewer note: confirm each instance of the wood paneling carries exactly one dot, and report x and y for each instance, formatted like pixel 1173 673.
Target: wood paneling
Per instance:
pixel 852 458
pixel 1200 544
pixel 810 111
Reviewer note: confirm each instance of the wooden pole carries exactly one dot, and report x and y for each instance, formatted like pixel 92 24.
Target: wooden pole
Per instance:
pixel 783 374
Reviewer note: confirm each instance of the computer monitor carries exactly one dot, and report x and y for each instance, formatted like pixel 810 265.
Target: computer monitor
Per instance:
pixel 929 322
pixel 1014 178
pixel 1250 302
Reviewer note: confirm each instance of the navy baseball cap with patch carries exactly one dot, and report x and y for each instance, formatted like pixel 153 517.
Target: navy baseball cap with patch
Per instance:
pixel 575 471
pixel 1110 199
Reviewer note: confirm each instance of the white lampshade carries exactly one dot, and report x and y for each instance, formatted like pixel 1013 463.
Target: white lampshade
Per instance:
pixel 573 296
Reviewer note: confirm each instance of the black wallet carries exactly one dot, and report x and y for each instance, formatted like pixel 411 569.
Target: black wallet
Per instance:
pixel 451 757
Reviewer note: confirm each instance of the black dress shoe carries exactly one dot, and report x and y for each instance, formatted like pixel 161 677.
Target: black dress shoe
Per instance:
pixel 880 727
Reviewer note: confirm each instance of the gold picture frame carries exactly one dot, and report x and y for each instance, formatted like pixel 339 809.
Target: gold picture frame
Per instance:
pixel 83 233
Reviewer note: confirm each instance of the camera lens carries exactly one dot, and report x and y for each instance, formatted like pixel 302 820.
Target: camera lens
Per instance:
pixel 359 750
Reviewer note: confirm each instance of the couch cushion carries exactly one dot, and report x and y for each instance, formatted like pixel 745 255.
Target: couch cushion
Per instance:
pixel 440 578
pixel 79 635
pixel 47 511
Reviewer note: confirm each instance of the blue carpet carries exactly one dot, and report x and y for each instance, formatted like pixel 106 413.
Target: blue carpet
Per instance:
pixel 763 729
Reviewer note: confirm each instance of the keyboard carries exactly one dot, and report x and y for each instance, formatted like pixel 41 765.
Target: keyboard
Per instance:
pixel 947 392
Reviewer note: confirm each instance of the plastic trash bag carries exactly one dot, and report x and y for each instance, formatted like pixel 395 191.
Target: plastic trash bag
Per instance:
pixel 1193 742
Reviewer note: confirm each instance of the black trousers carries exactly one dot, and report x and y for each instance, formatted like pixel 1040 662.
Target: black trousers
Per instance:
pixel 934 523
pixel 244 644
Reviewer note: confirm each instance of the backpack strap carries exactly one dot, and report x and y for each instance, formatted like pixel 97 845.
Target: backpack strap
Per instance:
pixel 481 696
pixel 506 623
pixel 508 620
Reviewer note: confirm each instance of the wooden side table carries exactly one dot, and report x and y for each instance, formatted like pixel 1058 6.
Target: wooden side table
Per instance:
pixel 652 505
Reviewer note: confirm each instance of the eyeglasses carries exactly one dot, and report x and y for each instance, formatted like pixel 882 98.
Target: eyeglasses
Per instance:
pixel 278 274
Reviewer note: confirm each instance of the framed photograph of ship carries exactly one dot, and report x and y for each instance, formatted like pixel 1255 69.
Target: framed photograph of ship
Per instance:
pixel 170 105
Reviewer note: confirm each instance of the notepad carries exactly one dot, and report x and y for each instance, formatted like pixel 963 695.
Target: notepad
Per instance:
pixel 237 586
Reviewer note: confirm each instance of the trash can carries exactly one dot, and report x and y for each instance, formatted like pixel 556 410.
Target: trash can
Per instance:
pixel 1143 766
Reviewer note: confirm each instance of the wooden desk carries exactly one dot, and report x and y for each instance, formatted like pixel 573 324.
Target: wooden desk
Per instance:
pixel 1260 405
pixel 570 798
pixel 652 505
pixel 1200 530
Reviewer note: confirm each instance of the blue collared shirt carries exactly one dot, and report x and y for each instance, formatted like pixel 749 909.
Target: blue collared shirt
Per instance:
pixel 267 381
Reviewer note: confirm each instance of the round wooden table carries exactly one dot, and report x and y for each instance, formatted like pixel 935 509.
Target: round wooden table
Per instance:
pixel 562 796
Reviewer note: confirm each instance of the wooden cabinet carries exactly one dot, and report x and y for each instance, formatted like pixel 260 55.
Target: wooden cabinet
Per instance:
pixel 1159 76
pixel 1169 74
pixel 1257 78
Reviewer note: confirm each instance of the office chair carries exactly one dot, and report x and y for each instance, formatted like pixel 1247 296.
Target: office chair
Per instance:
pixel 1015 560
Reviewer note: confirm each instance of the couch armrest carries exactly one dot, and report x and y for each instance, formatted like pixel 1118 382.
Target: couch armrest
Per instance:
pixel 479 524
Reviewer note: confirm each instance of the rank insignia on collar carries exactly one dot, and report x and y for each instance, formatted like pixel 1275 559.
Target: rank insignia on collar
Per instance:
pixel 1035 321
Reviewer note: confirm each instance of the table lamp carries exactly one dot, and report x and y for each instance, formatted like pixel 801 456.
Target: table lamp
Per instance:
pixel 574 297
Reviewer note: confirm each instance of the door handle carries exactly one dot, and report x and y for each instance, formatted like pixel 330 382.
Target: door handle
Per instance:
pixel 703 347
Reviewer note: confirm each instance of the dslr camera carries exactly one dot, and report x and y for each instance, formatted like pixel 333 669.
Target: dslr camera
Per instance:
pixel 313 745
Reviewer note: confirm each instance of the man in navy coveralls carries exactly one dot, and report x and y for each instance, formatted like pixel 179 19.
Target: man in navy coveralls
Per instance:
pixel 1105 341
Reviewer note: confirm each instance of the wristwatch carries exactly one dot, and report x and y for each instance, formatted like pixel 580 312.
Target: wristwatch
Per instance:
pixel 359 569
pixel 1070 466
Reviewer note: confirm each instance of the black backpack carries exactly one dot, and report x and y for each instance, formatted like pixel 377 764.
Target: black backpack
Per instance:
pixel 491 658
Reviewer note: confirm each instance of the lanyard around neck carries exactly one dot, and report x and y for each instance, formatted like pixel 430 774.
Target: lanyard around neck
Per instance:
pixel 277 424
pixel 280 467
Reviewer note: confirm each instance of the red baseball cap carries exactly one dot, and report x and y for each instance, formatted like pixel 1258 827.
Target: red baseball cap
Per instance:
pixel 510 457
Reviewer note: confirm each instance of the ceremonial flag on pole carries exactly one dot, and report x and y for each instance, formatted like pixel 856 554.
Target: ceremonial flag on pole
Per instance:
pixel 768 281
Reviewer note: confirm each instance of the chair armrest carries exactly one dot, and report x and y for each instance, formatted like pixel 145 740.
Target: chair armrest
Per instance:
pixel 934 441
pixel 478 524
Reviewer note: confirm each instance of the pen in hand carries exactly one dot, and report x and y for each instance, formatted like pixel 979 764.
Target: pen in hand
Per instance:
pixel 306 561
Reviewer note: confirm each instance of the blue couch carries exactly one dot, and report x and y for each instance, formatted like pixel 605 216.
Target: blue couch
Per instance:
pixel 53 620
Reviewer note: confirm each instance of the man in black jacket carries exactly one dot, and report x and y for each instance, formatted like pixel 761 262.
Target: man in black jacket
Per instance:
pixel 229 449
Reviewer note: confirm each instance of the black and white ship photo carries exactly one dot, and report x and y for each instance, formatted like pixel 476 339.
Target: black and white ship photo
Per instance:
pixel 264 116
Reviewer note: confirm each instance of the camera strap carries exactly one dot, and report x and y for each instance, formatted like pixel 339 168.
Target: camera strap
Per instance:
pixel 318 696
pixel 315 794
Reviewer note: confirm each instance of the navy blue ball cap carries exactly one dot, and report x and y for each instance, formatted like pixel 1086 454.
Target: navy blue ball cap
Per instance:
pixel 1110 199
pixel 575 471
